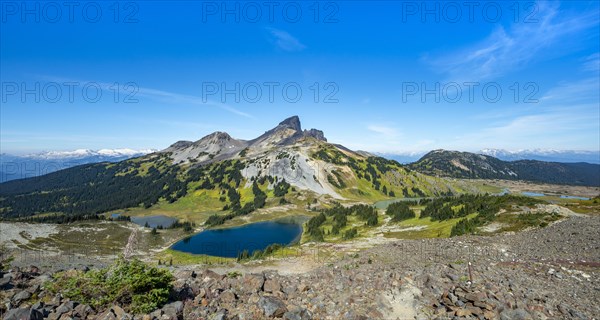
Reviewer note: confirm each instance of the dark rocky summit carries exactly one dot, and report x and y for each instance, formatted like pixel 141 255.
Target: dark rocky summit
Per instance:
pixel 314 133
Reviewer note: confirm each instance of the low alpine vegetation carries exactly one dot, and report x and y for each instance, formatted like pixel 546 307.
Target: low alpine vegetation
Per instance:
pixel 136 286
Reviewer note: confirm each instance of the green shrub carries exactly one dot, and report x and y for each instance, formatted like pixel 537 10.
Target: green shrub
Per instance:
pixel 349 234
pixel 134 285
pixel 233 274
pixel 5 258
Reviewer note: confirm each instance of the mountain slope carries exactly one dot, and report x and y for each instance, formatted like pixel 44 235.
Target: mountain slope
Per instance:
pixel 221 174
pixel 476 166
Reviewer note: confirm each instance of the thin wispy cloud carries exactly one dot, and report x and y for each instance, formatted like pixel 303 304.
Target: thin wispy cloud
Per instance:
pixel 564 113
pixel 592 62
pixel 508 49
pixel 160 95
pixel 565 93
pixel 177 98
pixel 387 132
pixel 387 141
pixel 551 126
pixel 585 90
pixel 285 41
pixel 379 137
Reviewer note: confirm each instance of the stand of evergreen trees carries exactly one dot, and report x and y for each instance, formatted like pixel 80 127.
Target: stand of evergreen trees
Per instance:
pixel 456 207
pixel 91 189
pixel 187 226
pixel 258 254
pixel 486 206
pixel 339 219
pixel 281 188
pixel 260 199
pixel 400 211
pixel 59 218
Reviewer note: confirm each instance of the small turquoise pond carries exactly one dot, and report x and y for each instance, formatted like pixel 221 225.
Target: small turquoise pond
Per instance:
pixel 153 221
pixel 535 194
pixel 229 242
pixel 574 197
pixel 532 194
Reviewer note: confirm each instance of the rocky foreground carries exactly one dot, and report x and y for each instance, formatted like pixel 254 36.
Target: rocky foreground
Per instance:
pixel 549 273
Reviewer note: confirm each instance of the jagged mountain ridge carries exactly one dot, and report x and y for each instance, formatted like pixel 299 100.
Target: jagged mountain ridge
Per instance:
pixel 206 171
pixel 477 166
pixel 219 146
pixel 284 152
pixel 270 147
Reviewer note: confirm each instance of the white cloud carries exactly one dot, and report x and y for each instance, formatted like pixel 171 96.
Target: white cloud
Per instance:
pixel 506 50
pixel 285 41
pixel 161 95
pixel 385 138
pixel 177 98
pixel 592 62
pixel 566 115
pixel 549 128
pixel 386 132
pixel 577 91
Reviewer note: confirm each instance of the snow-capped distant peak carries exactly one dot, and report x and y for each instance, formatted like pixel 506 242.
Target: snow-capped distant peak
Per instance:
pixel 124 152
pixel 544 155
pixel 83 153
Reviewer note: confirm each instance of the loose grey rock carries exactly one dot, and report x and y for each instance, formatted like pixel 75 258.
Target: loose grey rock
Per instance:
pixel 220 315
pixel 66 307
pixel 21 296
pixel 173 310
pixel 272 286
pixel 4 282
pixel 83 310
pixel 23 314
pixel 297 314
pixel 227 297
pixel 253 283
pixel 272 307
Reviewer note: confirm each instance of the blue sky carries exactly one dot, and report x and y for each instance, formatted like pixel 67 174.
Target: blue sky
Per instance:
pixel 392 76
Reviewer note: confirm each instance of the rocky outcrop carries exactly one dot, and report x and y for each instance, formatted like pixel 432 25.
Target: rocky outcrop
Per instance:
pixel 291 123
pixel 286 133
pixel 314 133
pixel 179 145
pixel 221 146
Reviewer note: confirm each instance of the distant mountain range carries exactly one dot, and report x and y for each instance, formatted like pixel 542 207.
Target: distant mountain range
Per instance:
pixel 544 155
pixel 402 157
pixel 467 165
pixel 219 173
pixel 36 164
pixel 568 156
pixel 234 177
pixel 87 153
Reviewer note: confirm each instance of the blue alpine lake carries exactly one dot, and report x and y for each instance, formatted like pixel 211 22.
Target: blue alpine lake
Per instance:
pixel 153 221
pixel 574 197
pixel 536 194
pixel 229 242
pixel 532 194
